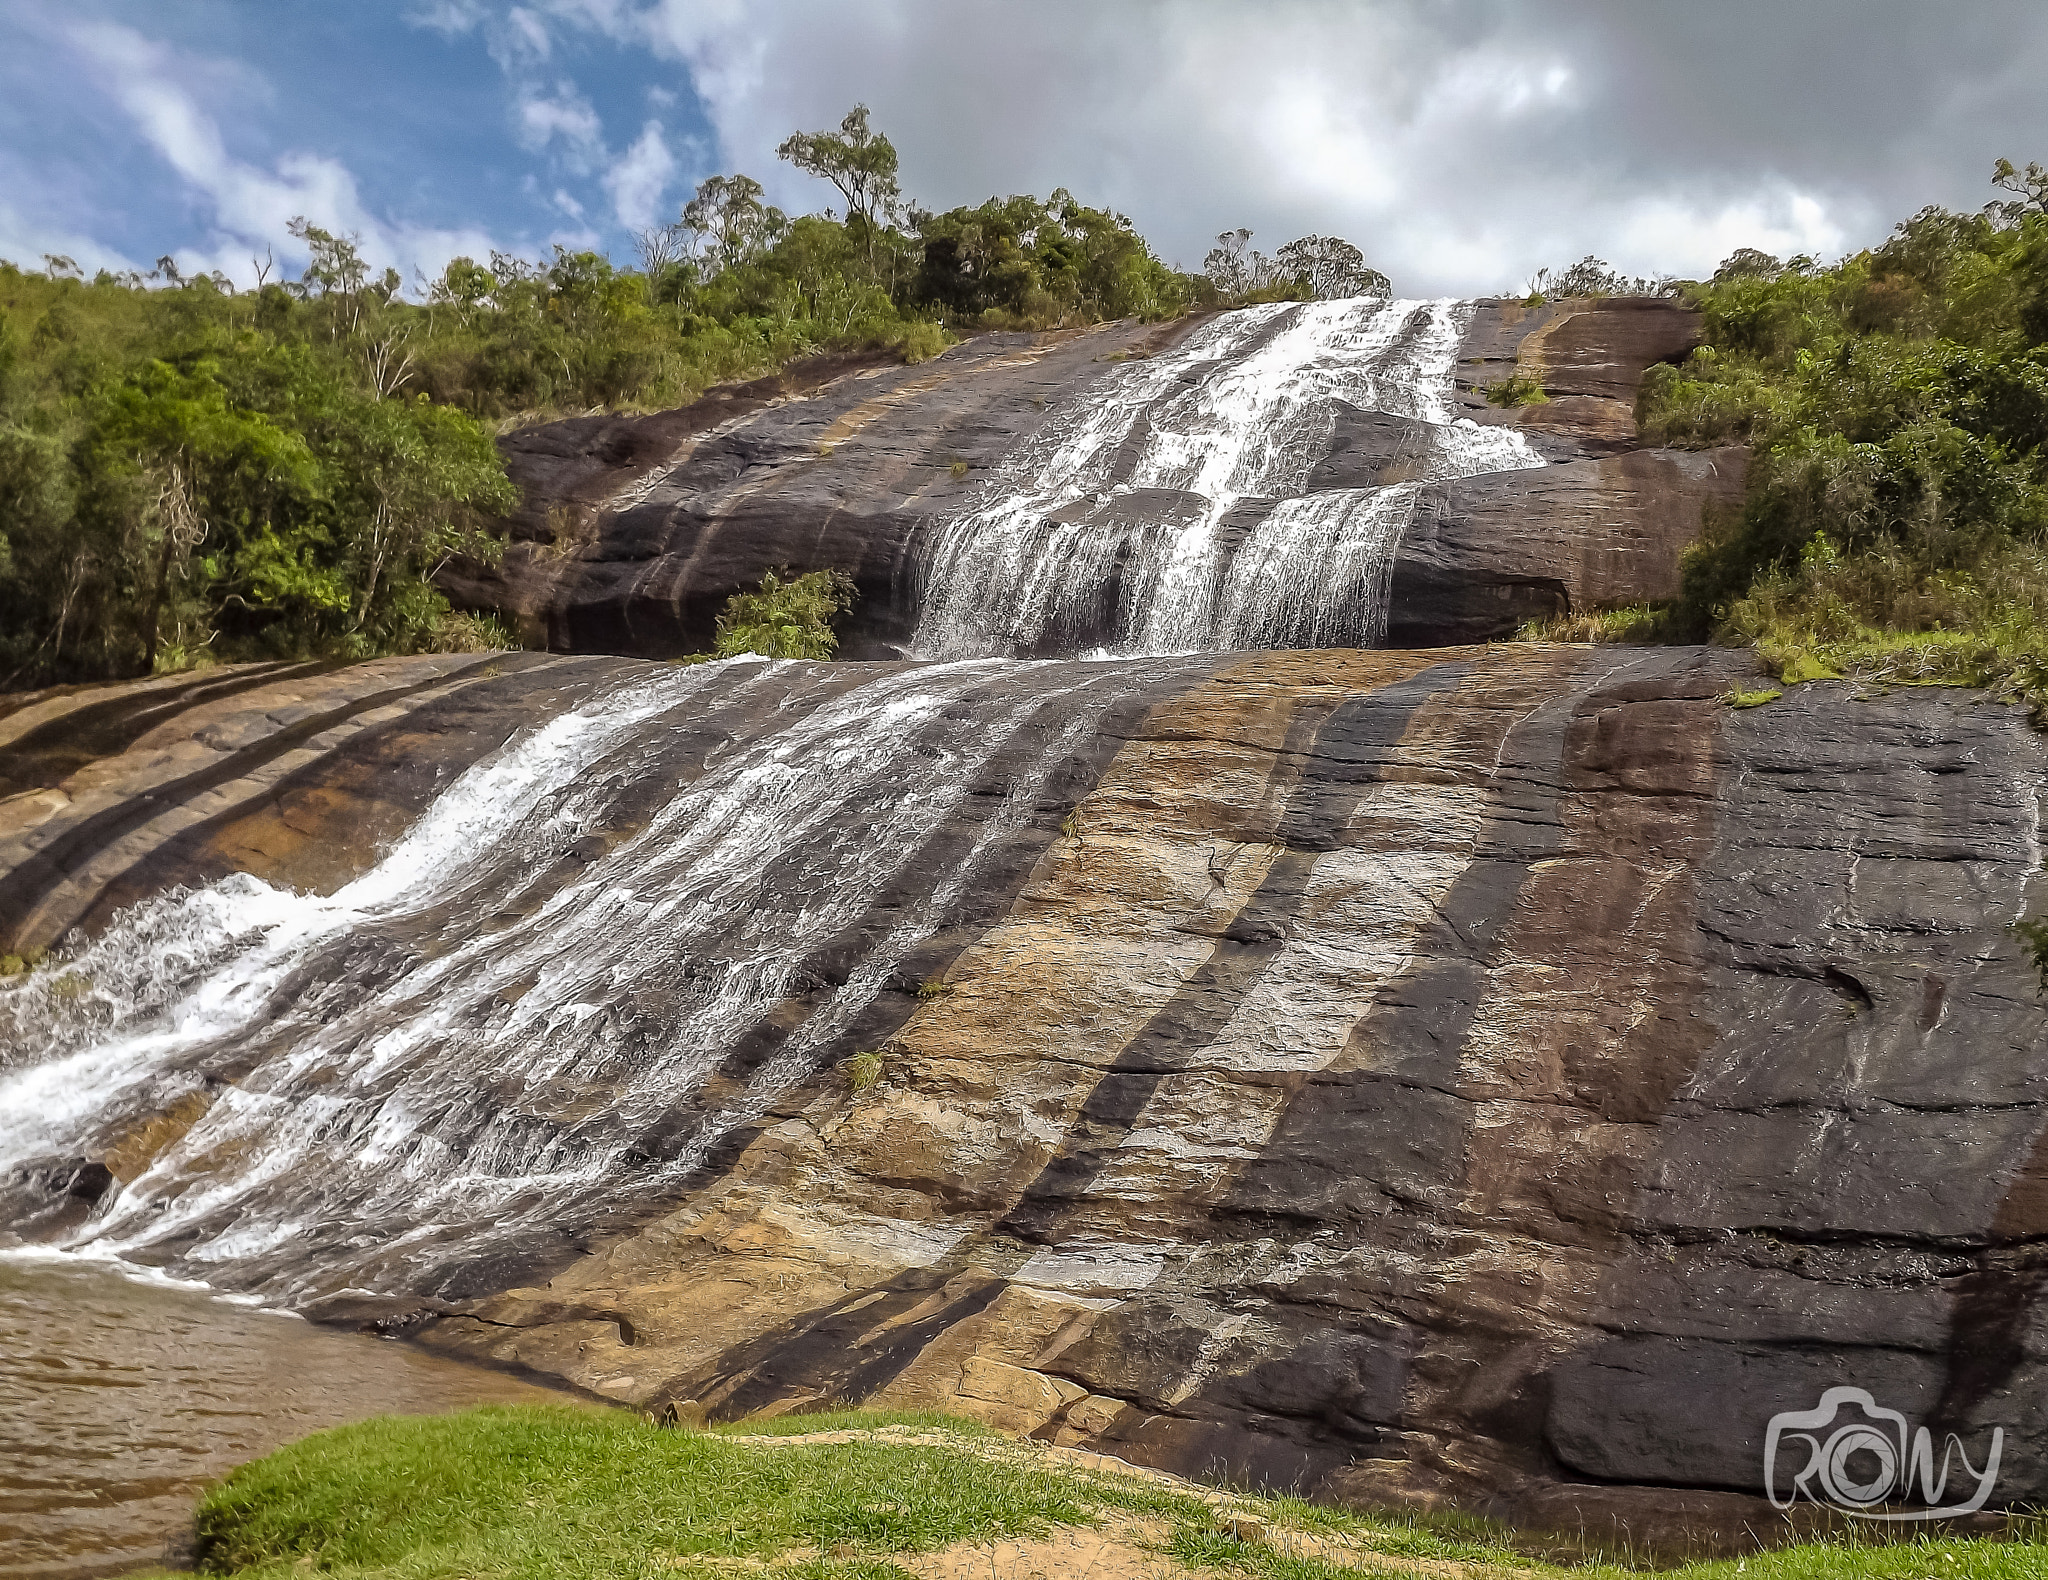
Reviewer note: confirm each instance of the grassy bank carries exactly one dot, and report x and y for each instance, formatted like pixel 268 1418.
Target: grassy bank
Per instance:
pixel 560 1492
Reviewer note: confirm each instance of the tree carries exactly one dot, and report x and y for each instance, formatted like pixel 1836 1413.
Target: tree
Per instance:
pixel 1591 276
pixel 1233 268
pixel 1748 263
pixel 414 482
pixel 860 162
pixel 174 448
pixel 661 249
pixel 335 273
pixel 1330 267
pixel 730 221
pixel 2032 186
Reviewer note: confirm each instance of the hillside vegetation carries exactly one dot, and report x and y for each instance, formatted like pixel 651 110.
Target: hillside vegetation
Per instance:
pixel 191 473
pixel 1897 402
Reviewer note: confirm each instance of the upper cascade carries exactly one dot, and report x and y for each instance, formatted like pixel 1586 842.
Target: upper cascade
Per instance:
pixel 1172 507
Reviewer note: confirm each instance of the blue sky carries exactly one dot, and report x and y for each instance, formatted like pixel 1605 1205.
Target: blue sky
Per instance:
pixel 1461 143
pixel 129 130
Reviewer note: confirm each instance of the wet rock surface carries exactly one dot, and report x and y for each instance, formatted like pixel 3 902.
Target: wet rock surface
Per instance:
pixel 635 530
pixel 1504 1075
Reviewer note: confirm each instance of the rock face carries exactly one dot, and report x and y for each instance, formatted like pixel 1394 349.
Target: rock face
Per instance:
pixel 635 530
pixel 1506 1075
pixel 1605 523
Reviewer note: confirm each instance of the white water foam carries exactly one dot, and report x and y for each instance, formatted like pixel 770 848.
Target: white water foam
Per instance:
pixel 450 1052
pixel 1124 495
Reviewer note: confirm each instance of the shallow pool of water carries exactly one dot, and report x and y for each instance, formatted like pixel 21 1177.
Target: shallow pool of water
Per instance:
pixel 121 1399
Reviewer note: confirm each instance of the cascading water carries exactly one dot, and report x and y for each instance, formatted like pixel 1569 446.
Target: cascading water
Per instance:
pixel 1121 522
pixel 615 940
pixel 484 1042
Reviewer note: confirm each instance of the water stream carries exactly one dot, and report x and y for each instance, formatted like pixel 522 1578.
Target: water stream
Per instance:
pixel 1169 508
pixel 622 935
pixel 596 952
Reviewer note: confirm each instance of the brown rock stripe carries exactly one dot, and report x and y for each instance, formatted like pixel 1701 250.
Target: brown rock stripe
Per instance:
pixel 25 890
pixel 1311 787
pixel 1333 750
pixel 50 752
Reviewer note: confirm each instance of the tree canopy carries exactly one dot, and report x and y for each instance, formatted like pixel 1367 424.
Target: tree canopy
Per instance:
pixel 1318 268
pixel 1896 522
pixel 191 473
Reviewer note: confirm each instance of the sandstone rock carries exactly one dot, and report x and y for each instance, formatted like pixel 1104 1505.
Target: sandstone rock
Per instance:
pixel 1503 1077
pixel 1485 553
pixel 634 531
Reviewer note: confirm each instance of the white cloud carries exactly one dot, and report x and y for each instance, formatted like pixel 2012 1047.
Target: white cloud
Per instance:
pixel 521 41
pixel 25 238
pixel 567 116
pixel 1462 143
pixel 1783 221
pixel 250 206
pixel 638 181
pixel 449 18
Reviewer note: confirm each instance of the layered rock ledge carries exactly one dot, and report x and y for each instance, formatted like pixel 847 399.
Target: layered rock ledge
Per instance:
pixel 634 530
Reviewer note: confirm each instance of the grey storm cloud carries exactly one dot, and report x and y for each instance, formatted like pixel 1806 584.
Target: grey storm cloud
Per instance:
pixel 1462 143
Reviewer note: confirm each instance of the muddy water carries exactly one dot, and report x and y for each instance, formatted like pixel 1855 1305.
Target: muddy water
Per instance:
pixel 121 1400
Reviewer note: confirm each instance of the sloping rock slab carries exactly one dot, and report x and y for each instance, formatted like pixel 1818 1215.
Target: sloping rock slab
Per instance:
pixel 635 530
pixel 1483 554
pixel 1503 1076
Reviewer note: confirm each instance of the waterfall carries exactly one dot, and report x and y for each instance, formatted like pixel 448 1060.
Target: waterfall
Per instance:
pixel 611 942
pixel 593 955
pixel 1121 523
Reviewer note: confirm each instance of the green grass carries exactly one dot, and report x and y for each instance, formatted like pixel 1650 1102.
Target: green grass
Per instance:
pixel 558 1492
pixel 563 1493
pixel 1517 389
pixel 1630 623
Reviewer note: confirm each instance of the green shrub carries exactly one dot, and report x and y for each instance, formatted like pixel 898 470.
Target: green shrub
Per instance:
pixel 2033 936
pixel 1895 524
pixel 863 1071
pixel 1630 623
pixel 1517 389
pixel 786 616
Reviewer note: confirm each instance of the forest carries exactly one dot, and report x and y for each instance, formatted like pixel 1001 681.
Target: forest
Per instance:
pixel 192 474
pixel 1896 402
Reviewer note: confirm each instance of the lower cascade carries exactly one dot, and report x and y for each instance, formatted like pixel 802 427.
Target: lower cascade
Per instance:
pixel 1172 507
pixel 483 1040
